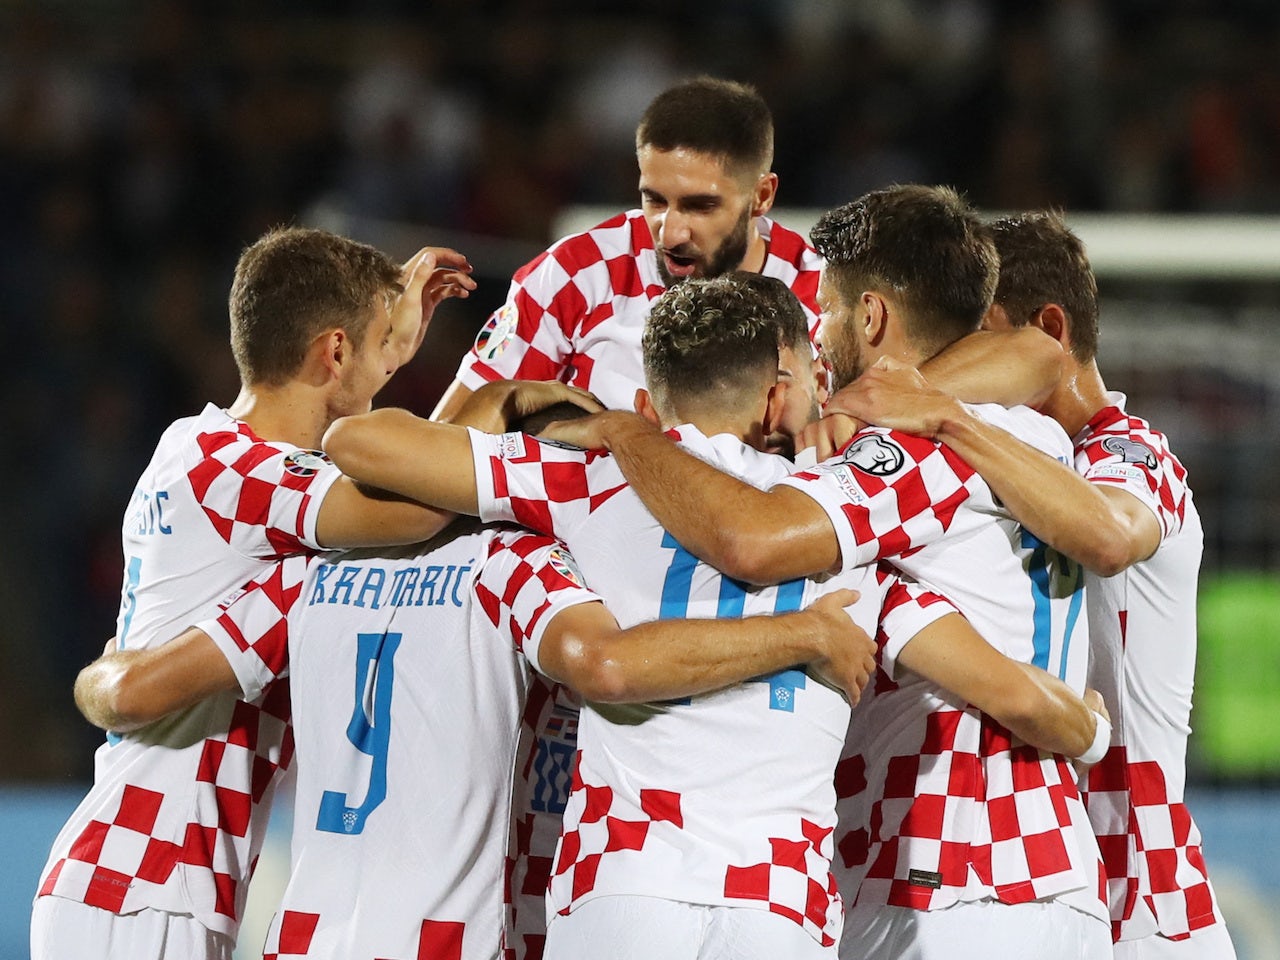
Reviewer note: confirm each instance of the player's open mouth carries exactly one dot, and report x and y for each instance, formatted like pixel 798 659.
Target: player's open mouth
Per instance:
pixel 680 266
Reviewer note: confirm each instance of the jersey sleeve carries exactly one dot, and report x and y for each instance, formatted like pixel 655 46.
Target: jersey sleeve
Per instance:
pixel 529 336
pixel 1137 459
pixel 262 500
pixel 888 494
pixel 907 609
pixel 524 582
pixel 543 486
pixel 252 626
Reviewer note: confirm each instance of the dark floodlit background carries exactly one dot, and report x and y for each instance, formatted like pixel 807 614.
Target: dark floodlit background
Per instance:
pixel 143 145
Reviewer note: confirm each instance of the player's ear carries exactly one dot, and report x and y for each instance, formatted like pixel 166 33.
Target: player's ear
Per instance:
pixel 325 358
pixel 774 406
pixel 644 407
pixel 762 197
pixel 1052 319
pixel 877 313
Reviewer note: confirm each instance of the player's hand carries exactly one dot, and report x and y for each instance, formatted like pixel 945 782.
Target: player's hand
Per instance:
pixel 828 435
pixel 501 404
pixel 430 276
pixel 595 432
pixel 450 277
pixel 851 654
pixel 892 394
pixel 533 396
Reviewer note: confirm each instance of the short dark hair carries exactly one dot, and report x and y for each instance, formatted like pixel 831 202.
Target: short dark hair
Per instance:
pixel 720 118
pixel 926 245
pixel 709 335
pixel 777 300
pixel 1042 262
pixel 293 284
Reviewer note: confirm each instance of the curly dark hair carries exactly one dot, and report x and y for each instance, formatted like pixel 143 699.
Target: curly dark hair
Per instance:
pixel 716 335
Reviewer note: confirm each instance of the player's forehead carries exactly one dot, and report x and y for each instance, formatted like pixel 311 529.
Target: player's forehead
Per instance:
pixel 682 172
pixel 828 295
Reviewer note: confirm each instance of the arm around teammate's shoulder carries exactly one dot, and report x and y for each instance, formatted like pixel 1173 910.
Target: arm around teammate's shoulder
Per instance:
pixel 395 451
pixel 759 536
pixel 1101 527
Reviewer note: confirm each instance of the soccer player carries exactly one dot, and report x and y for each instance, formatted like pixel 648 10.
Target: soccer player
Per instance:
pixel 909 270
pixel 576 312
pixel 1139 538
pixel 156 860
pixel 693 822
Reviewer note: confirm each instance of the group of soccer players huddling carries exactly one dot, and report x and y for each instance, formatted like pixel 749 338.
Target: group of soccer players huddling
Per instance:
pixel 745 596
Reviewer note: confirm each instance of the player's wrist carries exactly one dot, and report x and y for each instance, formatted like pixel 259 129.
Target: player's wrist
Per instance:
pixel 1101 741
pixel 953 423
pixel 619 427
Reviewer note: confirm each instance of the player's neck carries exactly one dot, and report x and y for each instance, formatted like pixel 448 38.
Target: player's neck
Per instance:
pixel 752 434
pixel 753 262
pixel 1078 398
pixel 292 414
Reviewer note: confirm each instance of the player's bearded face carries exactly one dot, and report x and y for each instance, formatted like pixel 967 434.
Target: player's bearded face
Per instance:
pixel 726 257
pixel 838 337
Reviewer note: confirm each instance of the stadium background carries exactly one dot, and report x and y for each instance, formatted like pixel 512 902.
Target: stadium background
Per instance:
pixel 142 145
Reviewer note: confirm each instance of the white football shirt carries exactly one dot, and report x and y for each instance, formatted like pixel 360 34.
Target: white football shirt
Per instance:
pixel 408 692
pixel 1142 626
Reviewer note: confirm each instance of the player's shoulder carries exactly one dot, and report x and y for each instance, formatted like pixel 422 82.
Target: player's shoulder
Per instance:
pixel 1029 426
pixel 792 260
pixel 1113 432
pixel 622 234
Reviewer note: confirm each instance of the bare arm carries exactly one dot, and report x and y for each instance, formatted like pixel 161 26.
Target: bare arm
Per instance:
pixel 665 659
pixel 750 534
pixel 124 690
pixel 353 515
pixel 1007 367
pixel 421 459
pixel 1104 529
pixel 1034 705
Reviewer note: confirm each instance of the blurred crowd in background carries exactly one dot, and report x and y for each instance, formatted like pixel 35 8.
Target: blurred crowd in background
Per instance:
pixel 142 145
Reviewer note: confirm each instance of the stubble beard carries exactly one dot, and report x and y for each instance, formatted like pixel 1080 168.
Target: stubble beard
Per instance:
pixel 728 256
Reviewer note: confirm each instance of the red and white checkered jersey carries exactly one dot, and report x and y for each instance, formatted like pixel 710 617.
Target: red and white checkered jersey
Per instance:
pixel 408 693
pixel 176 815
pixel 576 312
pixel 939 804
pixel 723 799
pixel 936 806
pixel 1142 625
pixel 914 502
